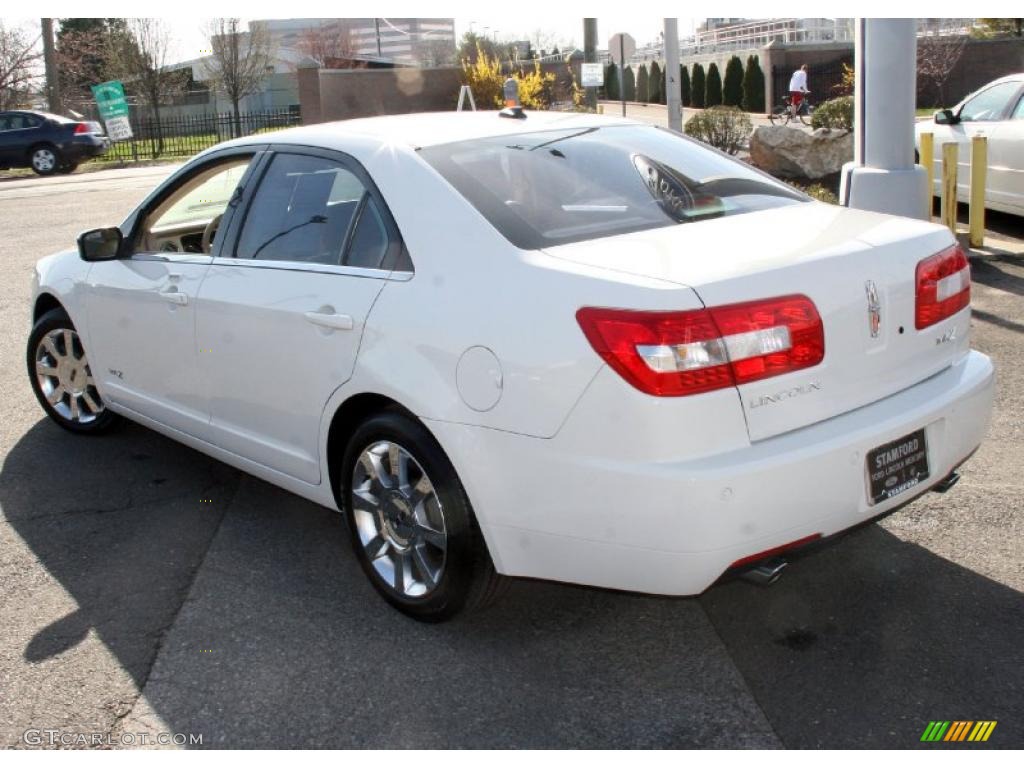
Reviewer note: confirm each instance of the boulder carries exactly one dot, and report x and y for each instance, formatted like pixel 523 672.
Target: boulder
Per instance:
pixel 793 153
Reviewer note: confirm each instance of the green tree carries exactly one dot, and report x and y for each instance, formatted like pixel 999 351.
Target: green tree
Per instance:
pixel 713 87
pixel 629 84
pixel 654 84
pixel 684 85
pixel 732 87
pixel 611 82
pixel 83 55
pixel 643 93
pixel 697 87
pixel 753 86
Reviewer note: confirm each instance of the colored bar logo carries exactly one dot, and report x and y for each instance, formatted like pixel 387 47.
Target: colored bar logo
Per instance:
pixel 958 730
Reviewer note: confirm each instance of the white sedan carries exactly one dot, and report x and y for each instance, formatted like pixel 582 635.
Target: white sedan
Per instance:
pixel 995 111
pixel 568 347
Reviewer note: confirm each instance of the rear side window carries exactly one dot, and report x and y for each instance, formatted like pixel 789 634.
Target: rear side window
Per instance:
pixel 314 210
pixel 553 187
pixel 369 246
pixel 302 211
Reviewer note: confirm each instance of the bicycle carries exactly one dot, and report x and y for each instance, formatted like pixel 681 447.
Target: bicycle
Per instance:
pixel 783 113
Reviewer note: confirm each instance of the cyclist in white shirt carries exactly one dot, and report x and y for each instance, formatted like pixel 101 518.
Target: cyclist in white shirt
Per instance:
pixel 797 89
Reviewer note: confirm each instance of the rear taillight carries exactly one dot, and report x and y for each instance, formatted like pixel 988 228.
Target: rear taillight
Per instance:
pixel 81 128
pixel 943 286
pixel 685 353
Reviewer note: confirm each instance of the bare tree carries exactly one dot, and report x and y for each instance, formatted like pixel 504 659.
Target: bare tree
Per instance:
pixel 139 55
pixel 239 61
pixel 544 41
pixel 328 45
pixel 937 55
pixel 19 60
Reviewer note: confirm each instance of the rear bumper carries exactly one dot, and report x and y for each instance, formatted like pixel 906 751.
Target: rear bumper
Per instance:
pixel 564 509
pixel 85 148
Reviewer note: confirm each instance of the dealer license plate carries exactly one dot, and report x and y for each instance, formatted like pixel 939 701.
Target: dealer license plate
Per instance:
pixel 897 467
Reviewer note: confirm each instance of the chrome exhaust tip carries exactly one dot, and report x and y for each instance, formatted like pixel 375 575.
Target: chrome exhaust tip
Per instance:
pixel 765 573
pixel 947 482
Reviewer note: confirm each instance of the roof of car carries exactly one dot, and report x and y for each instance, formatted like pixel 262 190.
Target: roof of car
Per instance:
pixel 37 113
pixel 432 128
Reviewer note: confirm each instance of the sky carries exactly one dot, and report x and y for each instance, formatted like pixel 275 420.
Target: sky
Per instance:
pixel 509 21
pixel 190 36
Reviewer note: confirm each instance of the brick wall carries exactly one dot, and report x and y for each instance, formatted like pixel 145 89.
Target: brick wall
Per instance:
pixel 982 61
pixel 340 94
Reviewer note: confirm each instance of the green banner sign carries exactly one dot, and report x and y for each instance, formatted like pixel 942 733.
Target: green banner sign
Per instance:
pixel 113 109
pixel 110 99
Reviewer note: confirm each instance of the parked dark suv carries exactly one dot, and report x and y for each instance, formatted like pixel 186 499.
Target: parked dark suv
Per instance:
pixel 48 143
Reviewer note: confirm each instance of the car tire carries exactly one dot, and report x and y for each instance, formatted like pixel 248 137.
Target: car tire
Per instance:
pixel 410 522
pixel 61 378
pixel 44 159
pixel 67 168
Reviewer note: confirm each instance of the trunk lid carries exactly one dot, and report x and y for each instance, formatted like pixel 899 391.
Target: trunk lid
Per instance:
pixel 832 255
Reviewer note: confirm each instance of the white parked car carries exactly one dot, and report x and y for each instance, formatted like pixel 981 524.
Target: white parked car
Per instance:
pixel 568 347
pixel 995 111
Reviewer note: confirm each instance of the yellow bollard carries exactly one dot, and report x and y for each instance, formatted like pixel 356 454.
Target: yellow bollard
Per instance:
pixel 950 156
pixel 979 164
pixel 928 161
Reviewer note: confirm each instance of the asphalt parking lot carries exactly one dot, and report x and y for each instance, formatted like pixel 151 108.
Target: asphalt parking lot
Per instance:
pixel 147 588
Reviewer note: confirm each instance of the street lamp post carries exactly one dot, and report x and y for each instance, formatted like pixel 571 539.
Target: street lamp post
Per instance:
pixel 883 176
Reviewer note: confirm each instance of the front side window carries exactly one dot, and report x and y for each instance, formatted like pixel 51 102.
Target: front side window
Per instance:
pixel 303 211
pixel 990 104
pixel 187 220
pixel 553 187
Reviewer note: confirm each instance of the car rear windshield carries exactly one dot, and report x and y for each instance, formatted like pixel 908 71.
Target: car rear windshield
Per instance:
pixel 553 187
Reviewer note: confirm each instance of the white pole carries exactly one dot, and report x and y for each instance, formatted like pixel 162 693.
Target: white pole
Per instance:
pixel 882 176
pixel 675 110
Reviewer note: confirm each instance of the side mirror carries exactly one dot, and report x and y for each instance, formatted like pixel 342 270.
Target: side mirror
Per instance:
pixel 946 117
pixel 100 244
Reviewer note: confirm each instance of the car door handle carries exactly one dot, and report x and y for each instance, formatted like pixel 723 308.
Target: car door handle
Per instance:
pixel 175 297
pixel 336 322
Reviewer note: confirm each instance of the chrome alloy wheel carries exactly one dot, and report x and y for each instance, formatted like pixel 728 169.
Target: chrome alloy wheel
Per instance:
pixel 65 378
pixel 44 159
pixel 399 519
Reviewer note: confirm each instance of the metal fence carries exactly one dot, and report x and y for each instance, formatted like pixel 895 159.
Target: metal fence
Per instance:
pixel 823 80
pixel 186 135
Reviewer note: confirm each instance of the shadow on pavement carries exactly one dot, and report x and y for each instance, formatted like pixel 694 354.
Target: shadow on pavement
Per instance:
pixel 863 643
pixel 987 272
pixel 282 642
pixel 115 520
